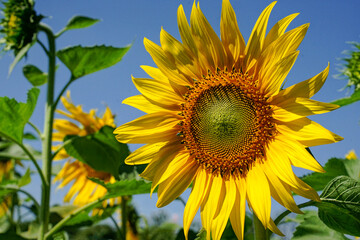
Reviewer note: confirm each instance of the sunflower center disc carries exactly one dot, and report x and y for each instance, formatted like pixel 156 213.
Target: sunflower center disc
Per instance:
pixel 227 123
pixel 222 120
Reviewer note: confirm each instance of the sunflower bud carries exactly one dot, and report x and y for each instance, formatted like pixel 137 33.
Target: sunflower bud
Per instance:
pixel 19 24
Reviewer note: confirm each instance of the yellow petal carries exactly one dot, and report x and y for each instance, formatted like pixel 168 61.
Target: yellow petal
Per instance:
pixel 66 127
pixel 184 60
pixel 272 80
pixel 278 29
pixel 158 93
pixel 231 37
pixel 256 40
pixel 298 155
pixel 206 40
pixel 199 191
pixel 143 104
pixel 164 63
pixel 151 128
pixel 281 192
pixel 220 221
pixel 212 204
pixel 237 215
pixel 144 154
pixel 305 190
pixel 307 132
pixel 305 89
pixel 258 194
pixel 274 228
pixel 185 31
pixel 171 188
pixel 295 108
pixel 163 157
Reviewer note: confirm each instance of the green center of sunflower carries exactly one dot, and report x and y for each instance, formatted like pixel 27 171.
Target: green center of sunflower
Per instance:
pixel 227 123
pixel 223 120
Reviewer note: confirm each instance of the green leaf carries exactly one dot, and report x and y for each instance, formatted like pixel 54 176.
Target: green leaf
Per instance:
pixel 100 150
pixel 34 75
pixel 80 22
pixel 125 187
pixel 180 235
pixel 334 167
pixel 25 179
pixel 85 60
pixel 201 234
pixel 353 168
pixel 340 205
pixel 348 100
pixel 32 232
pixel 15 115
pixel 311 227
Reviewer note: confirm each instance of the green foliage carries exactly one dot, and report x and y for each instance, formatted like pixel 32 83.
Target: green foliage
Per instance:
pixel 13 151
pixel 15 115
pixel 340 206
pixel 85 60
pixel 125 187
pixel 80 22
pixel 100 150
pixel 311 227
pixel 34 75
pixel 334 167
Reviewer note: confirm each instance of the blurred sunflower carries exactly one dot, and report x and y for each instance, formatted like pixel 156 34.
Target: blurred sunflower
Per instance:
pixel 217 115
pixel 19 24
pixel 6 167
pixel 86 191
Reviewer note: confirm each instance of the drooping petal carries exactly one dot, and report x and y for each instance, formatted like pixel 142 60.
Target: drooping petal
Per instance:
pixel 144 154
pixel 305 190
pixel 211 206
pixel 202 184
pixel 171 188
pixel 231 37
pixel 258 194
pixel 151 128
pixel 219 222
pixel 237 215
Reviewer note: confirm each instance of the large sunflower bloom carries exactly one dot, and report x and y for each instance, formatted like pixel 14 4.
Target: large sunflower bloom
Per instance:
pixel 217 117
pixel 86 191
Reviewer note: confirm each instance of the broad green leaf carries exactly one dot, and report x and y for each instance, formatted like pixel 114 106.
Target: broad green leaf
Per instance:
pixel 15 115
pixel 340 205
pixel 334 167
pixel 34 75
pixel 80 22
pixel 63 210
pixel 32 232
pixel 348 100
pixel 125 187
pixel 100 150
pixel 311 227
pixel 85 60
pixel 85 218
pixel 353 168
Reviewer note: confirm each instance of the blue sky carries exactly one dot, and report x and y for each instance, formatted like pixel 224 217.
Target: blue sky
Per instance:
pixel 332 24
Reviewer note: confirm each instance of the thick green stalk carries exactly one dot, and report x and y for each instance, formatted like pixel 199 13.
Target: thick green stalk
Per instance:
pixel 48 124
pixel 260 231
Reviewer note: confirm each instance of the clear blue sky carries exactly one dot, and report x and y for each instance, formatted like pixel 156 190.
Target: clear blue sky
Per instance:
pixel 332 24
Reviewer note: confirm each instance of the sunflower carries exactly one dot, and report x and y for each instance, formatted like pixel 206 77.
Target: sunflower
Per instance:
pixel 6 167
pixel 217 116
pixel 86 190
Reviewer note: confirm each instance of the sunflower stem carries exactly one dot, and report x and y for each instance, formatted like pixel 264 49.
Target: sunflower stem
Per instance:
pixel 260 231
pixel 123 216
pixel 48 124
